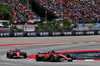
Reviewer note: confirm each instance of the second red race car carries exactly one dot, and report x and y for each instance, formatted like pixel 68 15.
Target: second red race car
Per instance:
pixel 16 54
pixel 53 57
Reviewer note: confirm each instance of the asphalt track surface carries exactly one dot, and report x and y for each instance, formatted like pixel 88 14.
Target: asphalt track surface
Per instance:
pixel 33 49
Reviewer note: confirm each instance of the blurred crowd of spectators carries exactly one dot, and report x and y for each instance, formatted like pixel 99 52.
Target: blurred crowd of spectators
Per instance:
pixel 20 12
pixel 75 10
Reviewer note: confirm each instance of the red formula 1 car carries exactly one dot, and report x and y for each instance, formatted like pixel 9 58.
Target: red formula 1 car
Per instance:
pixel 16 54
pixel 53 57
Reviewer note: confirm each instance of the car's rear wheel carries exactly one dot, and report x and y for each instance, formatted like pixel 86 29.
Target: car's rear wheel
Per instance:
pixel 39 57
pixel 25 55
pixel 54 58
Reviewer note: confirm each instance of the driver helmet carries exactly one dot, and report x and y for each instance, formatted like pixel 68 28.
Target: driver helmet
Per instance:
pixel 53 51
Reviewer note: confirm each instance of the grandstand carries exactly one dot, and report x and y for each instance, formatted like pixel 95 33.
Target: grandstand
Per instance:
pixel 22 13
pixel 42 11
pixel 79 11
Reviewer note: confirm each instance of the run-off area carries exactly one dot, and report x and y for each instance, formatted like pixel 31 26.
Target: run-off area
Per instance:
pixel 86 55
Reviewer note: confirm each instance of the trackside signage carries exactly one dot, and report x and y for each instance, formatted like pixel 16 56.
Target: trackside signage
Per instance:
pixel 69 33
pixel 31 34
pixel 43 33
pixel 19 34
pixel 89 24
pixel 56 33
pixel 49 33
pixel 98 32
pixel 79 33
pixel 89 32
pixel 5 34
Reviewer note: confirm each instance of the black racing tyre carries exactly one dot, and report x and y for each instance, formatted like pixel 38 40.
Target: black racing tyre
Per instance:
pixel 39 57
pixel 70 56
pixel 10 55
pixel 54 58
pixel 25 55
pixel 74 58
pixel 7 54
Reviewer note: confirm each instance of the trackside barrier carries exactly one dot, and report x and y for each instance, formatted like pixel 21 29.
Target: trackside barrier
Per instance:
pixel 49 33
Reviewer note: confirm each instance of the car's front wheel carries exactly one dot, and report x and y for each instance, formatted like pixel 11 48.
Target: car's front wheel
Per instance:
pixel 9 55
pixel 39 57
pixel 70 56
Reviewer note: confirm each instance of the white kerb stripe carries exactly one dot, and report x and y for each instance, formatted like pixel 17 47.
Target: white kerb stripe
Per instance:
pixel 89 60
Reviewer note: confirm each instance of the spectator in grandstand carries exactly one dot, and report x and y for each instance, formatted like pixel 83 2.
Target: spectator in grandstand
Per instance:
pixel 75 10
pixel 20 12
